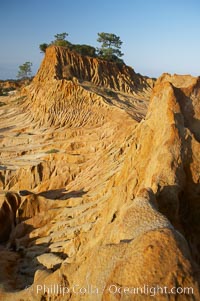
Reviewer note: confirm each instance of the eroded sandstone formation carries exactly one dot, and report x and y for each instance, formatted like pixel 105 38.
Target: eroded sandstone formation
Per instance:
pixel 99 182
pixel 12 85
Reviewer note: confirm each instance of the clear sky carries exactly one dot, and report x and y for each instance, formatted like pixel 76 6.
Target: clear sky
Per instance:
pixel 158 35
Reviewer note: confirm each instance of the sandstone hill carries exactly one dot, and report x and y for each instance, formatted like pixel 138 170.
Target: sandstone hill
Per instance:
pixel 100 184
pixel 8 86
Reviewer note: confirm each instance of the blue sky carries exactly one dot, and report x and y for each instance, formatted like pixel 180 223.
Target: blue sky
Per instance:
pixel 158 35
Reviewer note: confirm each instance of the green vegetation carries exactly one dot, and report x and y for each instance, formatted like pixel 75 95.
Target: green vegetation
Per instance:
pixel 61 36
pixel 84 49
pixel 52 151
pixel 25 70
pixel 109 50
pixel 43 47
pixel 110 47
pixel 60 40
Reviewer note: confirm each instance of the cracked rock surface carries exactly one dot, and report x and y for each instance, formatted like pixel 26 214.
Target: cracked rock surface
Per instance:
pixel 99 183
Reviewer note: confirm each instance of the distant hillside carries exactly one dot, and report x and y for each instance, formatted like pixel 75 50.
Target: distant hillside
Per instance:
pixel 11 85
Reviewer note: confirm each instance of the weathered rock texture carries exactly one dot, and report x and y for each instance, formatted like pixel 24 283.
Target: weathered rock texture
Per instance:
pixel 100 183
pixel 11 85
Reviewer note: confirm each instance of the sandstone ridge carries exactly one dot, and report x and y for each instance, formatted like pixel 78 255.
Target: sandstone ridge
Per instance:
pixel 76 87
pixel 60 63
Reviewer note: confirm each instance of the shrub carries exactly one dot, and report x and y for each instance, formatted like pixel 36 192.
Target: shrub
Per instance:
pixel 84 49
pixel 52 151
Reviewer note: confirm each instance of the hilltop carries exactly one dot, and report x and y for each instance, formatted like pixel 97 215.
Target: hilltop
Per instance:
pixel 99 181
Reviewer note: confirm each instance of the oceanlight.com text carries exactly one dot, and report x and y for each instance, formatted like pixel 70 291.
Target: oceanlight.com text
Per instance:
pixel 150 290
pixel 113 289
